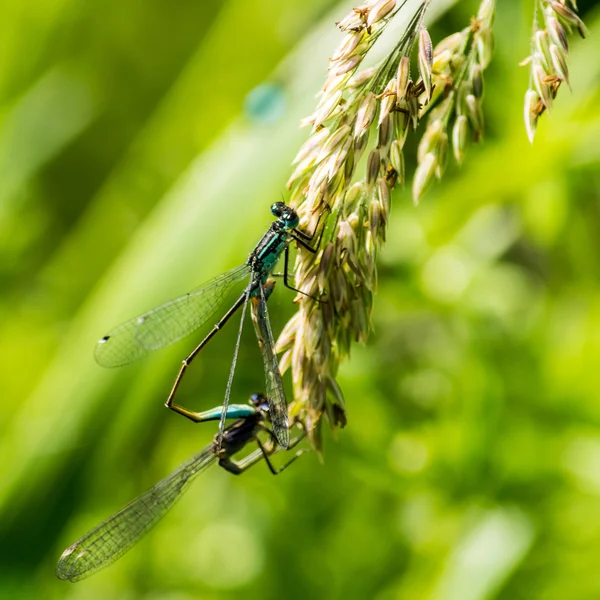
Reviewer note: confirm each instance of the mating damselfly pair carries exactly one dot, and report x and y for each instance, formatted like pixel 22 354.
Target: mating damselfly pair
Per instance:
pixel 169 323
pixel 180 317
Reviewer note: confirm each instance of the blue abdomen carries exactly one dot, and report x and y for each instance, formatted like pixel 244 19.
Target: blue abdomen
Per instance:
pixel 234 411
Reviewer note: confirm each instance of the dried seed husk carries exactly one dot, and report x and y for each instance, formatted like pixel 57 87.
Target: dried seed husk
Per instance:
pixel 542 43
pixel 319 180
pixel 310 120
pixel 531 116
pixel 475 115
pixel 299 363
pixel 396 156
pixel 285 362
pixel 582 29
pixel 333 84
pixel 349 64
pixel 370 272
pixel 477 81
pixel 380 11
pixel 402 77
pixel 361 78
pixel 374 216
pixel 365 114
pixel 360 143
pixel 401 171
pixel 559 62
pixel 327 108
pixel 354 196
pixel 460 138
pixel 430 138
pixel 337 159
pixel 369 244
pixel 442 154
pixel 310 286
pixel 313 422
pixel 315 140
pixel 538 59
pixel 353 20
pixel 485 46
pixel 322 353
pixel 339 290
pixel 557 33
pixel 412 103
pixel 334 389
pixel 303 167
pixel 384 197
pixel 325 265
pixel 401 122
pixel 526 61
pixel 541 87
pixel 314 333
pixel 287 337
pixel 424 176
pixel 350 162
pixel 567 14
pixel 425 61
pixel 297 197
pixel 336 140
pixel 359 319
pixel 385 133
pixel 373 167
pixel 353 273
pixel 347 47
pixel 327 315
pixel 487 11
pixel 387 101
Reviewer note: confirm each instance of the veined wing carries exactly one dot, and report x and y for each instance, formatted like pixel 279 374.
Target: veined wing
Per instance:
pixel 107 542
pixel 273 383
pixel 167 323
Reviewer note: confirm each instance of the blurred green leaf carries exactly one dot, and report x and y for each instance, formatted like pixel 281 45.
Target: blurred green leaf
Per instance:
pixel 136 161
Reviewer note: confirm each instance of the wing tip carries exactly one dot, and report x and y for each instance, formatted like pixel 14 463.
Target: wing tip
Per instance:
pixel 282 433
pixel 65 570
pixel 106 356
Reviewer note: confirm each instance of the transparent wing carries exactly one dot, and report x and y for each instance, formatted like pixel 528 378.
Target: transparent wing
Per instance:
pixel 236 352
pixel 108 541
pixel 273 384
pixel 167 323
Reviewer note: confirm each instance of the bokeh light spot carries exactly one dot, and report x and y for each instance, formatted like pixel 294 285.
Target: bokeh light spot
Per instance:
pixel 446 275
pixel 265 104
pixel 227 555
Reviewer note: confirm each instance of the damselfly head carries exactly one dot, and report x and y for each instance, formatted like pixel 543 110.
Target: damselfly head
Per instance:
pixel 259 401
pixel 286 214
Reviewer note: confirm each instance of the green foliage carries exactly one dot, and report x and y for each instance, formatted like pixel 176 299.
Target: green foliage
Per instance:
pixel 131 169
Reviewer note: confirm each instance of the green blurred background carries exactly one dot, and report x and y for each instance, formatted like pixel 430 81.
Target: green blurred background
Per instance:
pixel 141 144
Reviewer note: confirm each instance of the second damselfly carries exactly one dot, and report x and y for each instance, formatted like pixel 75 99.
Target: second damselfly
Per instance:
pixel 108 541
pixel 181 316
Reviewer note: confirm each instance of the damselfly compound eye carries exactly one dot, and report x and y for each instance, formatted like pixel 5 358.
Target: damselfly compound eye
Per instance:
pixel 278 209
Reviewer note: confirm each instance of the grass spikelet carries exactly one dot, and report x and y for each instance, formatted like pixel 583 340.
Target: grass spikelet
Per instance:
pixel 548 58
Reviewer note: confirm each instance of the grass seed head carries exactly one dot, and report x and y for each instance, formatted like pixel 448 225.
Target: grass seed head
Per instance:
pixel 371 111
